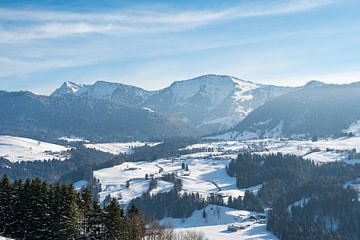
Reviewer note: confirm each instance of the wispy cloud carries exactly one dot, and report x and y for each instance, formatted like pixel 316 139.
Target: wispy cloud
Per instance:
pixel 35 24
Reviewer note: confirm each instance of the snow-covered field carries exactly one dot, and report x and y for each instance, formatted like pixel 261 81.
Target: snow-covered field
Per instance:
pixel 17 149
pixel 218 218
pixel 205 176
pixel 4 238
pixel 117 147
pixel 73 139
pixel 207 166
pixel 321 151
pixel 114 181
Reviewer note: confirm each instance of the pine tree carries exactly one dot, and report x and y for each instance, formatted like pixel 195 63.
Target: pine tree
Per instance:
pixel 204 214
pixel 5 205
pixel 135 224
pixel 115 222
pixel 186 167
pixel 87 210
pixel 96 222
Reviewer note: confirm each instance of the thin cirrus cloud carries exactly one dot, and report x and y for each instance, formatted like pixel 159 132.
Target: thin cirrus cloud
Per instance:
pixel 43 24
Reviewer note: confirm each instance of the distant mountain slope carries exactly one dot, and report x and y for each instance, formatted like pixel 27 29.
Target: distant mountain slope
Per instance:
pixel 316 109
pixel 31 115
pixel 211 103
pixel 122 93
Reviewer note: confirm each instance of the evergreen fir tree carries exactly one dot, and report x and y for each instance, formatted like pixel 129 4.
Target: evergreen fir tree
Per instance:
pixel 116 228
pixel 135 224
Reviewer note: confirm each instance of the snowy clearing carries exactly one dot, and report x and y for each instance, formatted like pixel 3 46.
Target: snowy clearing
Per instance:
pixel 73 139
pixel 17 149
pixel 215 225
pixel 116 148
pixel 205 176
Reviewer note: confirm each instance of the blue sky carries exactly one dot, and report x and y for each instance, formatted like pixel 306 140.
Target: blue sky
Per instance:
pixel 153 43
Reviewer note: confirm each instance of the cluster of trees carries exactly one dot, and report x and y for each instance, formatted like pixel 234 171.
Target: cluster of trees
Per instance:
pixel 185 166
pixel 327 211
pixel 169 204
pixel 158 232
pixel 249 202
pixel 330 212
pixel 32 209
pixel 254 169
pixel 171 177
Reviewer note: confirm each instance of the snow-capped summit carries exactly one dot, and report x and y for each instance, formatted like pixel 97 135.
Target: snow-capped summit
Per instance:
pixel 122 93
pixel 212 103
pixel 314 83
pixel 99 89
pixel 67 88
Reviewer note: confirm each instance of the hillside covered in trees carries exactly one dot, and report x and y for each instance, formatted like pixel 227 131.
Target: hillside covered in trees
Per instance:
pixel 308 201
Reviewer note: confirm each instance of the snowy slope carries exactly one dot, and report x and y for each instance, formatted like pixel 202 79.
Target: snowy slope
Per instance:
pixel 113 181
pixel 68 88
pixel 214 226
pixel 354 128
pixel 314 110
pixel 4 238
pixel 125 94
pixel 322 151
pixel 213 103
pixel 118 147
pixel 17 149
pixel 206 175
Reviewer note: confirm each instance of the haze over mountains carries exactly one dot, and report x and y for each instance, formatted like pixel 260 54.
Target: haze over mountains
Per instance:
pixel 209 104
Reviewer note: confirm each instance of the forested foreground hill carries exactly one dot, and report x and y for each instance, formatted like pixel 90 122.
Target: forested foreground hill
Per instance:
pixel 308 201
pixel 32 209
pixel 317 109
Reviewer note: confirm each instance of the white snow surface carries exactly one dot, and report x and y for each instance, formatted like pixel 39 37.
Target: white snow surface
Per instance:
pixel 354 128
pixel 17 149
pixel 5 238
pixel 215 225
pixel 206 175
pixel 73 139
pixel 80 184
pixel 118 147
pixel 207 166
pixel 321 151
pixel 301 203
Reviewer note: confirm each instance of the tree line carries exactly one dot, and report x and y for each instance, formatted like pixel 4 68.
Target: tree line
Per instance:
pixel 33 209
pixel 308 201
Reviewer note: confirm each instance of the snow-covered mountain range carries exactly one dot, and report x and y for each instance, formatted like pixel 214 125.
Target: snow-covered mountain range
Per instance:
pixel 317 109
pixel 211 103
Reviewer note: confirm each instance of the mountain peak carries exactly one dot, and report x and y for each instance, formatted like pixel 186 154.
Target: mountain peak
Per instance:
pixel 67 88
pixel 314 83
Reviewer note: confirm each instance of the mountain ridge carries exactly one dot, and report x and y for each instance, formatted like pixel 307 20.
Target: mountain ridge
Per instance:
pixel 211 103
pixel 44 117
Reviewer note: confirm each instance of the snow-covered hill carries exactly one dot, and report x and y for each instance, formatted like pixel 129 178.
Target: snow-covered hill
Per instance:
pixel 16 149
